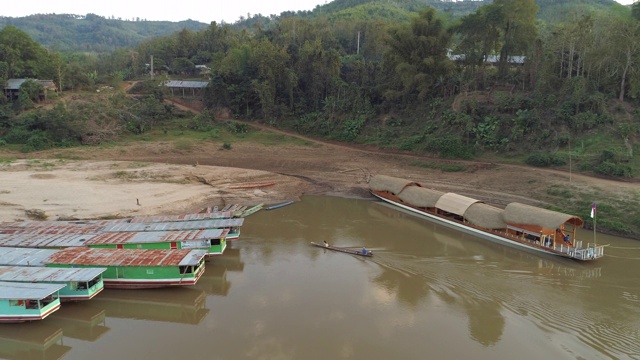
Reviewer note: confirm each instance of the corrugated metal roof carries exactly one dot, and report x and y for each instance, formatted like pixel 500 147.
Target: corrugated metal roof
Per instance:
pixel 175 226
pixel 183 217
pixel 38 274
pixel 44 240
pixel 186 84
pixel 156 236
pixel 23 291
pixel 125 257
pixel 14 84
pixel 24 256
pixel 454 203
pixel 55 227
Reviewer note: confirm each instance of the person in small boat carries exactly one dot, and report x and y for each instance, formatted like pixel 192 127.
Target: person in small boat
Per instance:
pixel 364 251
pixel 326 244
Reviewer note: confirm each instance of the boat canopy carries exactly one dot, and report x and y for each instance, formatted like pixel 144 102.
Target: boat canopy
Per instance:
pixel 486 216
pixel 146 237
pixel 175 226
pixel 390 184
pixel 454 203
pixel 25 256
pixel 43 274
pixel 43 240
pixel 32 291
pixel 420 196
pixel 125 257
pixel 517 213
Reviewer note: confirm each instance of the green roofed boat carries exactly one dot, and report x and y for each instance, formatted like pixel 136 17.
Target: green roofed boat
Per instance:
pixel 135 269
pixel 20 302
pixel 80 284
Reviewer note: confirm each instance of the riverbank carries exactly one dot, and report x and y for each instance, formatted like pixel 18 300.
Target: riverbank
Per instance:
pixel 95 182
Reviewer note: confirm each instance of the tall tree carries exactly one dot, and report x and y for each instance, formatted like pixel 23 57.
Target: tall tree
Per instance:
pixel 617 49
pixel 418 53
pixel 516 20
pixel 19 54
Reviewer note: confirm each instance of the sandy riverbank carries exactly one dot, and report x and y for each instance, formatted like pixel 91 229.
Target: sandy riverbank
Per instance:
pixel 93 189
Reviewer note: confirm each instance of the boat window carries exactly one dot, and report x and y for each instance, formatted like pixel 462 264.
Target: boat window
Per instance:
pixel 32 304
pixel 96 280
pixel 215 241
pixel 81 285
pixel 16 303
pixel 186 269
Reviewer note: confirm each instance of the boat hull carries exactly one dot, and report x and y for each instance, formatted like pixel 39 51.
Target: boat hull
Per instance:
pixel 151 283
pixel 20 318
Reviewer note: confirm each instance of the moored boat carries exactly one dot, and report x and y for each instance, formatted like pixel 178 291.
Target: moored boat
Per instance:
pixel 347 250
pixel 277 206
pixel 20 302
pixel 135 269
pixel 80 284
pixel 233 225
pixel 518 225
pixel 211 240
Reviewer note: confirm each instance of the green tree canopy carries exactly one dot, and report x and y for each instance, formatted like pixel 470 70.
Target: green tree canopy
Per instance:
pixel 418 53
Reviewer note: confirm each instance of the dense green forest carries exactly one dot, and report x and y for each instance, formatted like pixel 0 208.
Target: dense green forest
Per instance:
pixel 494 79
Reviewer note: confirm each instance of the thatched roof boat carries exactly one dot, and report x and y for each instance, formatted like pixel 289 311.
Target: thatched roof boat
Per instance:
pixel 519 225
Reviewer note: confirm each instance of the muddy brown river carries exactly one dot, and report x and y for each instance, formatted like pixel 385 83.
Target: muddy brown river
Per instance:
pixel 428 292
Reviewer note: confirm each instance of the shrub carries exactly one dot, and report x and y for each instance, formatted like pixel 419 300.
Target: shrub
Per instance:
pixel 38 141
pixel 237 128
pixel 542 159
pixel 609 168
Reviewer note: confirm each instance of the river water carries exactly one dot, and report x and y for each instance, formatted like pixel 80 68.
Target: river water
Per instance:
pixel 428 292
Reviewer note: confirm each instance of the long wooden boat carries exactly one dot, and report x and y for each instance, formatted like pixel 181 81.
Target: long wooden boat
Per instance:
pixel 135 269
pixel 80 284
pixel 251 210
pixel 252 186
pixel 232 224
pixel 211 240
pixel 277 206
pixel 518 225
pixel 344 250
pixel 20 302
pixel 60 234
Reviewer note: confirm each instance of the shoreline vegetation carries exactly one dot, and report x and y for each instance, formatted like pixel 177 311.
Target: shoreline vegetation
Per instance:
pixel 201 172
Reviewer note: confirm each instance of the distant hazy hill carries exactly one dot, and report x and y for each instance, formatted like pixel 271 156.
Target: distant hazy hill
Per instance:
pixel 92 32
pixel 95 33
pixel 397 11
pixel 550 10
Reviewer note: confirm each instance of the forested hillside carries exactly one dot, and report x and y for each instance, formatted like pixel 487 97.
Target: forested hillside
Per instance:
pixel 93 33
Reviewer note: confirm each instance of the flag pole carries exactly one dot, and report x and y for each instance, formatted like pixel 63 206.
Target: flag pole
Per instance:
pixel 594 213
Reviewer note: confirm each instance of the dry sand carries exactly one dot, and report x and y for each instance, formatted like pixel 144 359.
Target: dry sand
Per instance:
pixel 95 189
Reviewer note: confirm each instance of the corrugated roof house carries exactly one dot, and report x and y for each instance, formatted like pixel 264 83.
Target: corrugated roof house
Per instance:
pixel 12 89
pixel 185 86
